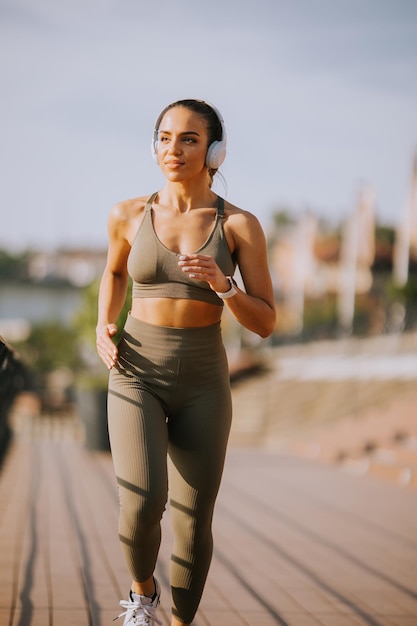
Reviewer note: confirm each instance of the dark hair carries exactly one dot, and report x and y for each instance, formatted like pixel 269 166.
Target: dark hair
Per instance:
pixel 214 127
pixel 208 113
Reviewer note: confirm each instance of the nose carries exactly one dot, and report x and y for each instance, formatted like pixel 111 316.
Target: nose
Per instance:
pixel 174 146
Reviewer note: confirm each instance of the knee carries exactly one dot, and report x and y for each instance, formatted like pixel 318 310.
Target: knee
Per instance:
pixel 192 524
pixel 144 511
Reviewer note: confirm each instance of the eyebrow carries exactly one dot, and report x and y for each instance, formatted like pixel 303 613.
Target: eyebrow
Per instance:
pixel 187 132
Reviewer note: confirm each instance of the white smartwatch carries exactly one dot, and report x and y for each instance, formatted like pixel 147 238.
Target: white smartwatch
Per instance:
pixel 232 291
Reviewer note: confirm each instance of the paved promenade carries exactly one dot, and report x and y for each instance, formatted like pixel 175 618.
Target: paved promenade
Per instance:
pixel 352 403
pixel 300 540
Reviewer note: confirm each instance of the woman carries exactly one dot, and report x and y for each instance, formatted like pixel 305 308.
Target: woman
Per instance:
pixel 169 392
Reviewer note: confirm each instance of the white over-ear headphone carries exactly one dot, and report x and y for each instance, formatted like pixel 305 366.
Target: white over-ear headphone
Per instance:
pixel 216 152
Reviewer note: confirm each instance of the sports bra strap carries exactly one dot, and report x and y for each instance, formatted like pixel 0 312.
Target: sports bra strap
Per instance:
pixel 220 204
pixel 148 205
pixel 220 207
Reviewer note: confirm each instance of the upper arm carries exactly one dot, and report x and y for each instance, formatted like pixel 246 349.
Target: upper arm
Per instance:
pixel 119 247
pixel 252 256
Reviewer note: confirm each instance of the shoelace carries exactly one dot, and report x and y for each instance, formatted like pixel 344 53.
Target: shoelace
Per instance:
pixel 131 606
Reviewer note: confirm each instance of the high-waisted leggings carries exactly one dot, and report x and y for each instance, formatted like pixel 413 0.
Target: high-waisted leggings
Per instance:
pixel 169 412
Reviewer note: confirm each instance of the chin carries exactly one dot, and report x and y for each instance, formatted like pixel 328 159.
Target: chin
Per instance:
pixel 176 177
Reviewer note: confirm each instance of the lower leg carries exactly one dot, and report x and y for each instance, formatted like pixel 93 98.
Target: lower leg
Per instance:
pixel 138 436
pixel 145 588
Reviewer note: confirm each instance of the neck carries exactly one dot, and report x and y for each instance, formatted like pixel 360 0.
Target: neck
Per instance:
pixel 185 197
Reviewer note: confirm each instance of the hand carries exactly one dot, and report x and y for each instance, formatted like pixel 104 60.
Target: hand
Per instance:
pixel 105 346
pixel 204 267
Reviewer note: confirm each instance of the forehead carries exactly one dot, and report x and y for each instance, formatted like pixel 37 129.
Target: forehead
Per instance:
pixel 182 119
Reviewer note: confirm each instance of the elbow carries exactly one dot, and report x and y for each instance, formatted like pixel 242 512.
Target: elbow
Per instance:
pixel 266 332
pixel 268 325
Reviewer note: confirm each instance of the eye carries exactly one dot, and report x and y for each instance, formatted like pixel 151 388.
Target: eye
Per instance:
pixel 189 140
pixel 163 139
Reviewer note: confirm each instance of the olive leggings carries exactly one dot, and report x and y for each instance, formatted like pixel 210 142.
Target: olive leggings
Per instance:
pixel 169 396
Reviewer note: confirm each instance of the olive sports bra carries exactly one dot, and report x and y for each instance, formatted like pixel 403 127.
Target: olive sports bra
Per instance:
pixel 154 268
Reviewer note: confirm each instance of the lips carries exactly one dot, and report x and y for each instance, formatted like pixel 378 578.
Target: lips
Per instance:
pixel 174 163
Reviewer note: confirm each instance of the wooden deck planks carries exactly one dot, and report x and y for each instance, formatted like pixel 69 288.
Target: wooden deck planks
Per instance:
pixel 350 561
pixel 296 543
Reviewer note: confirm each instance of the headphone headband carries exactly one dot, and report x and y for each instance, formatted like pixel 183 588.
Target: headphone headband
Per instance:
pixel 216 151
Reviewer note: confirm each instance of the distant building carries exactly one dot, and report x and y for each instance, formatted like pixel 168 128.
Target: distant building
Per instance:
pixel 79 267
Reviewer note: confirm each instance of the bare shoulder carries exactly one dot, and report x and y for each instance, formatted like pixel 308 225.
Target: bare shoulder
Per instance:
pixel 125 217
pixel 128 209
pixel 242 224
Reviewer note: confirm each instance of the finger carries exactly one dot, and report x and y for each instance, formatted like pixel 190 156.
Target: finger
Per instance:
pixel 110 360
pixel 194 255
pixel 112 330
pixel 107 351
pixel 197 267
pixel 113 355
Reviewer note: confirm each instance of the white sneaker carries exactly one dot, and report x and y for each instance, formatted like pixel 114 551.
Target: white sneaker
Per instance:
pixel 140 610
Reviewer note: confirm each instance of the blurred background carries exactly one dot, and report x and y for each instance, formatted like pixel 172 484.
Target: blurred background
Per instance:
pixel 319 101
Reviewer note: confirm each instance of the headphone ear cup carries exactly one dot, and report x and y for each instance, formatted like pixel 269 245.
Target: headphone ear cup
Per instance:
pixel 154 149
pixel 216 154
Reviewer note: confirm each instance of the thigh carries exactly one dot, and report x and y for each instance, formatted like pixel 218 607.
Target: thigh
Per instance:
pixel 138 435
pixel 198 436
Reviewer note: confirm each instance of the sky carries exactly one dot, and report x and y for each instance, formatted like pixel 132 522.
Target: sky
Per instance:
pixel 319 99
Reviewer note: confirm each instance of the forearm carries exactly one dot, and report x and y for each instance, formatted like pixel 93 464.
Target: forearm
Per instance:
pixel 111 298
pixel 253 313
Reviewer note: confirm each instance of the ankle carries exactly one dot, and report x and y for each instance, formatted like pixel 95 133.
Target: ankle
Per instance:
pixel 146 588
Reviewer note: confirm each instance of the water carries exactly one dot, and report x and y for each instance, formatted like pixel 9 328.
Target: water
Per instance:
pixel 38 303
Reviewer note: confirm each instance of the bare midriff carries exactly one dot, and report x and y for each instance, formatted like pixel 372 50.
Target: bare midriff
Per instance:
pixel 176 313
